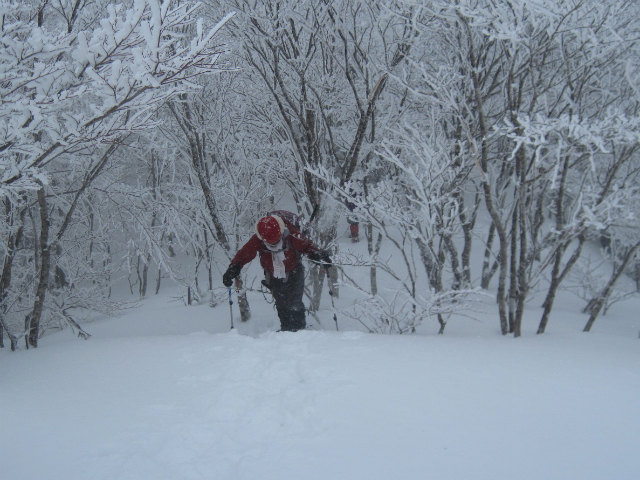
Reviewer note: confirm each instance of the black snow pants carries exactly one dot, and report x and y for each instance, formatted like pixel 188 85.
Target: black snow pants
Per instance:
pixel 287 294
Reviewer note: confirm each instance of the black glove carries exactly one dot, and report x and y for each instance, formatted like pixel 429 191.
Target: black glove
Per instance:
pixel 232 272
pixel 322 257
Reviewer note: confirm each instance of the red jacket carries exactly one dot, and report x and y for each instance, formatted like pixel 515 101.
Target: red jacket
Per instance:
pixel 294 245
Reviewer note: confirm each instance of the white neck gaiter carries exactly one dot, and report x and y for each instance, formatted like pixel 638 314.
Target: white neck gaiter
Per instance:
pixel 277 258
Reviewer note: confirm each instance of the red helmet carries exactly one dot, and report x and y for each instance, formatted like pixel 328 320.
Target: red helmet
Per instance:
pixel 270 229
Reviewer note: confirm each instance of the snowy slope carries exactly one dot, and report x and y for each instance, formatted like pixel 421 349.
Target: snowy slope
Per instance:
pixel 165 392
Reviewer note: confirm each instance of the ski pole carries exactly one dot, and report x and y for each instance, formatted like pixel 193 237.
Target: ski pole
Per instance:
pixel 231 307
pixel 333 305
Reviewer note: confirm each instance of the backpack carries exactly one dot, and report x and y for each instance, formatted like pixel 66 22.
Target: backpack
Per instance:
pixel 292 219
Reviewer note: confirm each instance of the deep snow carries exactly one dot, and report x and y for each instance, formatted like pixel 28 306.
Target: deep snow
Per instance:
pixel 166 391
pixel 179 401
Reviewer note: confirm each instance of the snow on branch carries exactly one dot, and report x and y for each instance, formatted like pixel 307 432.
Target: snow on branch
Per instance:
pixel 63 92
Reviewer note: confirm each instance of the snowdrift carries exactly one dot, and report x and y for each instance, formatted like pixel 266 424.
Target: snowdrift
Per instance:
pixel 184 402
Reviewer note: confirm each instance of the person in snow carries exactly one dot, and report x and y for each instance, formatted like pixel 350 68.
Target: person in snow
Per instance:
pixel 354 225
pixel 352 219
pixel 280 246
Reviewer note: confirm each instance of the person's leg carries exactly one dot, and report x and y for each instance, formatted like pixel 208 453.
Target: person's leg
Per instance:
pixel 296 306
pixel 267 279
pixel 288 298
pixel 354 230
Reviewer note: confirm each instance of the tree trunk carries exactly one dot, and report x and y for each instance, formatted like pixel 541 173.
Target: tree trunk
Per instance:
pixel 467 231
pixel 551 293
pixel 523 284
pixel 158 280
pixel 502 258
pixel 558 273
pixel 143 273
pixel 243 302
pixel 197 150
pixel 489 268
pixel 594 307
pixel 12 338
pixel 556 279
pixel 145 276
pixel 316 276
pixel 442 323
pixel 45 267
pixel 326 237
pixel 373 249
pixel 513 268
pixel 13 240
pixel 207 254
pixel 519 240
pixel 455 264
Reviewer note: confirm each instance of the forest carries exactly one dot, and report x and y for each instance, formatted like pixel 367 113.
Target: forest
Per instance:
pixel 492 146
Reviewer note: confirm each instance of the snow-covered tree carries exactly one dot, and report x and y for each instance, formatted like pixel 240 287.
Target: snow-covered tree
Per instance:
pixel 500 69
pixel 213 133
pixel 76 81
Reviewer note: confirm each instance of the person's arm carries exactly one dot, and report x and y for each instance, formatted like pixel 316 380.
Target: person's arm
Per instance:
pixel 315 254
pixel 247 253
pixel 321 257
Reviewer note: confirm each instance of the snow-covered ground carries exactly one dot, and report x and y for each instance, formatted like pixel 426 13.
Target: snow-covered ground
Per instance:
pixel 166 391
